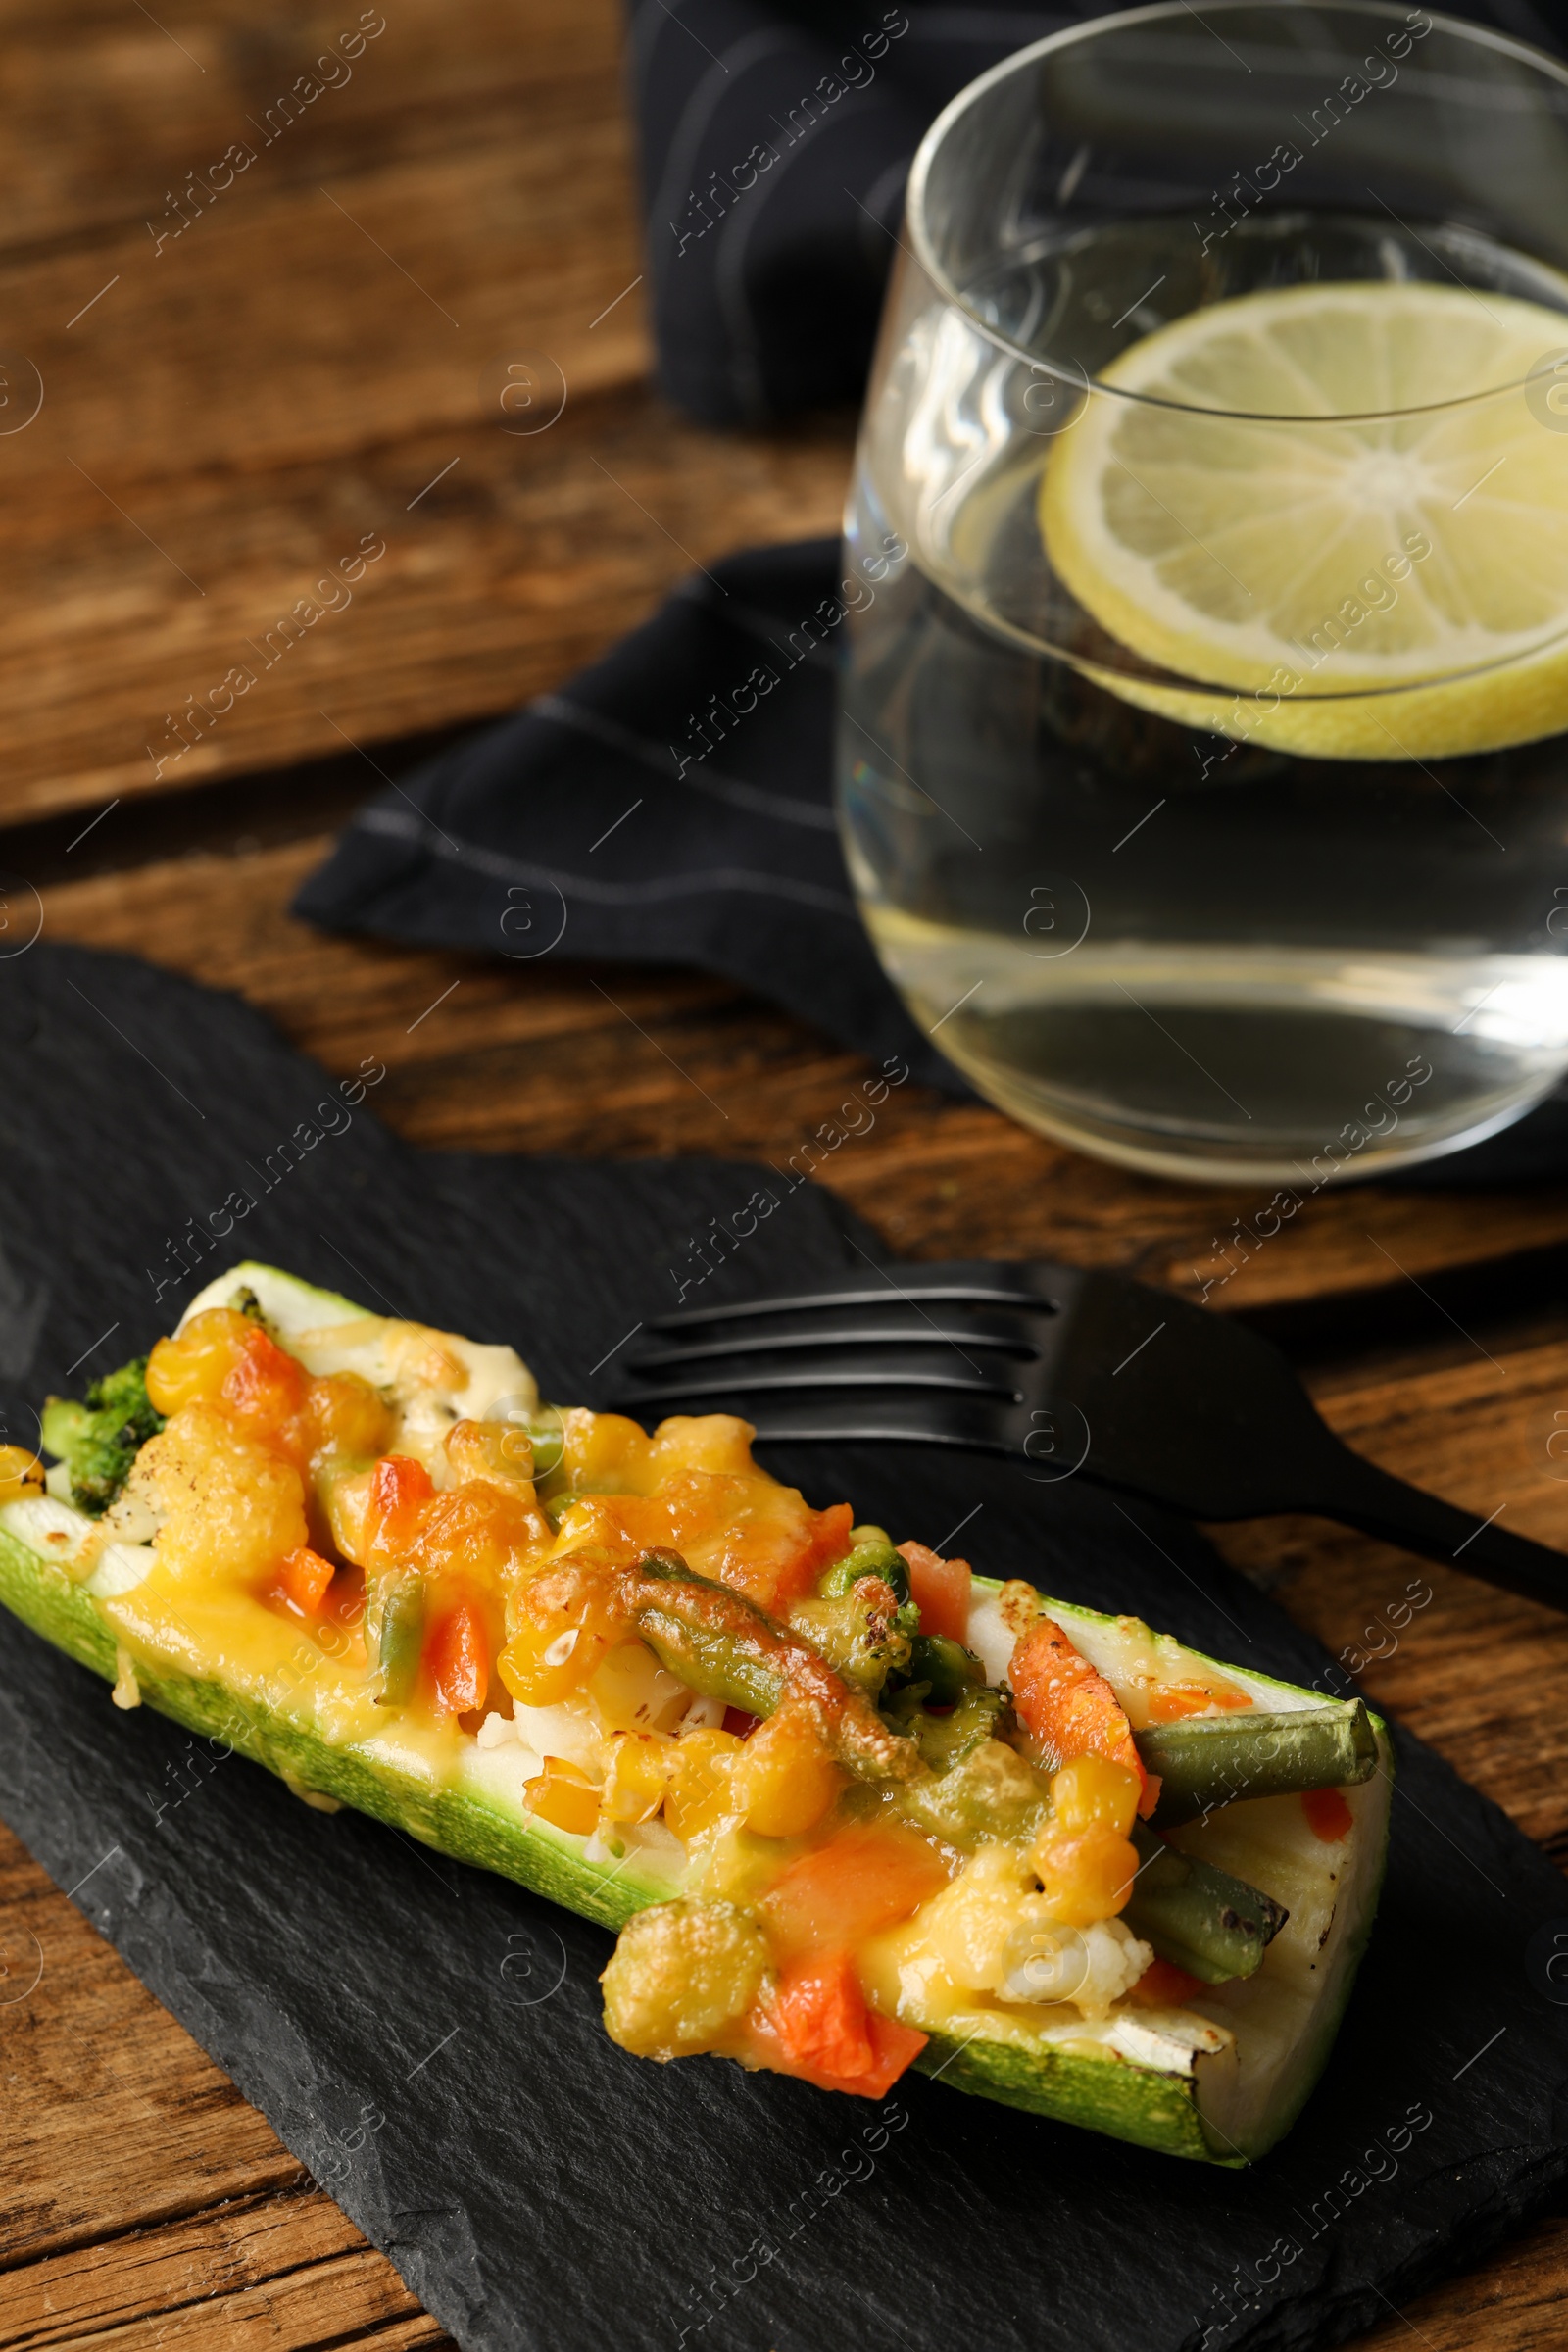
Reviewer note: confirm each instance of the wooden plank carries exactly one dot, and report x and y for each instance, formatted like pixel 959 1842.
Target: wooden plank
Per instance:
pixel 106 109
pixel 466 198
pixel 515 569
pixel 1512 2303
pixel 115 2120
pixel 282 2271
pixel 1477 1672
pixel 139 2189
pixel 620 1061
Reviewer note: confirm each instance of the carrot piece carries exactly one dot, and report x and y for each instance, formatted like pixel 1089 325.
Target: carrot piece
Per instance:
pixel 940 1589
pixel 1070 1709
pixel 825 2034
pixel 399 1485
pixel 457 1657
pixel 864 1880
pixel 305 1577
pixel 1173 1702
pixel 819 2011
pixel 1328 1815
pixel 267 1383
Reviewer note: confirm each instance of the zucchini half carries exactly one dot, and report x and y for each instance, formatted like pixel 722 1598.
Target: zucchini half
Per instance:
pixel 1160 2078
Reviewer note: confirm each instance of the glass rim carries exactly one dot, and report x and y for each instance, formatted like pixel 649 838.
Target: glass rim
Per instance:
pixel 1079 381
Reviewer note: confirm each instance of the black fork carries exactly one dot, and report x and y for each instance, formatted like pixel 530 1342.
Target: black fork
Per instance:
pixel 1077 1371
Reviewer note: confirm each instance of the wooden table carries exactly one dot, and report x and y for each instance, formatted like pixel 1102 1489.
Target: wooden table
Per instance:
pixel 224 413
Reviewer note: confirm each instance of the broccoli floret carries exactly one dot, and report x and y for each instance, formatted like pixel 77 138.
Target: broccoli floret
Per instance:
pixel 100 1439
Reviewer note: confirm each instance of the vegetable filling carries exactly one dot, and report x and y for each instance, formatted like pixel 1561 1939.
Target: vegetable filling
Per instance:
pixel 867 1797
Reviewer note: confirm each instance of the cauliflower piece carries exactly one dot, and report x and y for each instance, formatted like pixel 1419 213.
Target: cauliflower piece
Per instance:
pixel 1091 1967
pixel 679 1975
pixel 226 1507
pixel 992 1933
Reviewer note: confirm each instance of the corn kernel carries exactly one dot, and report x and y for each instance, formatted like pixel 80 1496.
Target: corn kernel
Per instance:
pixel 192 1368
pixel 783 1781
pixel 1095 1790
pixel 638 1775
pixel 699 1792
pixel 564 1797
pixel 633 1692
pixel 347 1416
pixel 1085 1875
pixel 21 1473
pixel 543 1664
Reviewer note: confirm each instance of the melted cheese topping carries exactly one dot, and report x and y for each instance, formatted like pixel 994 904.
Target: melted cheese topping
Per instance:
pixel 180 1572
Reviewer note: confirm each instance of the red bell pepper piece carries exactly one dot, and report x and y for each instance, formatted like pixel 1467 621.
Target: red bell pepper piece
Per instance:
pixel 940 1589
pixel 864 1880
pixel 399 1486
pixel 824 2032
pixel 1328 1815
pixel 457 1655
pixel 1163 1984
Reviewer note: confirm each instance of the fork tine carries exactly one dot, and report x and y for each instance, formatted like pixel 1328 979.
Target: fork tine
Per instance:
pixel 897 1421
pixel 774 1342
pixel 656 1393
pixel 948 1293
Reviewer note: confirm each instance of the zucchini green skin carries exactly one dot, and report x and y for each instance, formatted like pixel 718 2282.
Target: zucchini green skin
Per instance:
pixel 1116 2098
pixel 452 1821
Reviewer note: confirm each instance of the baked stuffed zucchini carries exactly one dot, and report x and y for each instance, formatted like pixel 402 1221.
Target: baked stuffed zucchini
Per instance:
pixel 852 1807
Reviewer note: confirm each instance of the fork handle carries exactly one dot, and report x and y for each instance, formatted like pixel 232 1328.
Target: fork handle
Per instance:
pixel 1357 1492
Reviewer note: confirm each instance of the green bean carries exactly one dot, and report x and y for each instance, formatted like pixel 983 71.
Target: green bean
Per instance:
pixel 720 1644
pixel 946 1667
pixel 1213 1760
pixel 1211 1925
pixel 948 1740
pixel 870 1553
pixel 709 1662
pixel 402 1640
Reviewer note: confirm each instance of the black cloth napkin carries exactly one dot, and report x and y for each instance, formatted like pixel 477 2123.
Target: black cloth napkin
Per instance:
pixel 776 136
pixel 594 825
pixel 426 2038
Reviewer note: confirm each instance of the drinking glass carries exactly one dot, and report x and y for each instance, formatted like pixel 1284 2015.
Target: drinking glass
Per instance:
pixel 1201 759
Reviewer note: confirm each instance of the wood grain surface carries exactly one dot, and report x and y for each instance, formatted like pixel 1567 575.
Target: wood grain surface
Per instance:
pixel 296 365
pixel 313 360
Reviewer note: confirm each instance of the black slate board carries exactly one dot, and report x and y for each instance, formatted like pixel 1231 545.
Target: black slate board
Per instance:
pixel 426 2038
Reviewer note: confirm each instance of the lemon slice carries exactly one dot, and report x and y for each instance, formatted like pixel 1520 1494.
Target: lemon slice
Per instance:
pixel 1367 585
